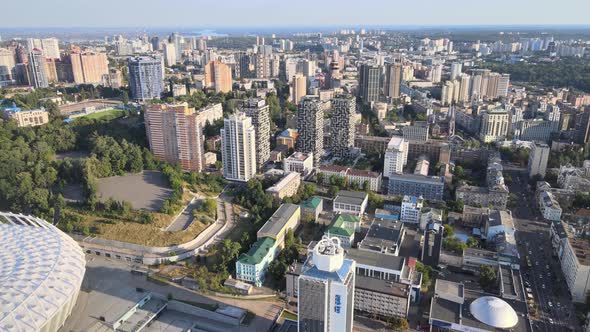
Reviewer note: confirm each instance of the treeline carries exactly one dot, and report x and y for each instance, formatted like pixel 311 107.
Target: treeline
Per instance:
pixel 567 72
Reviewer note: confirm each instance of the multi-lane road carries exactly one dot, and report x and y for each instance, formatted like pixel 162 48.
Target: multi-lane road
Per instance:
pixel 554 308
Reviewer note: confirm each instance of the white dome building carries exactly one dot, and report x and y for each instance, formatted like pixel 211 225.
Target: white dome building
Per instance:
pixel 41 271
pixel 494 312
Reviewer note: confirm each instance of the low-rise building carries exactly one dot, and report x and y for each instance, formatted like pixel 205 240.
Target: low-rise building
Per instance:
pixel 351 202
pixel 210 158
pixel 497 198
pixel 299 162
pixel 360 177
pixel 411 209
pixel 30 118
pixel 384 236
pixel 286 187
pixel 549 206
pixel 251 266
pixel 456 308
pixel 343 226
pixel 499 221
pixel 288 138
pixel 429 187
pixel 312 208
pixel 474 217
pixel 286 217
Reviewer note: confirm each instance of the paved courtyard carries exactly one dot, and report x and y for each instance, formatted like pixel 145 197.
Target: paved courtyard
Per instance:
pixel 146 190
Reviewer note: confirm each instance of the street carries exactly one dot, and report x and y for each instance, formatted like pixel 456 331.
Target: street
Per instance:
pixel 540 269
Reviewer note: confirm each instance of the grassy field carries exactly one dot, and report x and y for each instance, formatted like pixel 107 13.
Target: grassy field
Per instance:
pixel 143 234
pixel 107 115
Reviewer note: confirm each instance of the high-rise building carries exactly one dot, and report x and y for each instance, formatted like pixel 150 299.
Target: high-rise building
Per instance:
pixel 89 67
pixel 170 54
pixel 7 64
pixel 48 46
pixel 369 78
pixel 218 76
pixel 456 70
pixel 494 125
pixel 583 127
pixel 326 289
pixel 37 69
pixel 396 156
pixel 464 88
pixel 145 77
pixel 175 134
pixel 242 69
pixel 342 125
pixel 393 80
pixel 262 65
pixel 310 128
pixel 238 147
pixel 298 88
pixel 538 158
pixel 260 114
pixel 155 41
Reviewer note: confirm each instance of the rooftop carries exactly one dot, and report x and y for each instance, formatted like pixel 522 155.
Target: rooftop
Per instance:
pixel 287 179
pixel 299 156
pixel 350 197
pixel 371 258
pixel 278 220
pixel 310 270
pixel 382 286
pixel 311 203
pixel 258 251
pixel 41 269
pixel 383 236
pixel 343 224
pixel 416 178
pixel 501 218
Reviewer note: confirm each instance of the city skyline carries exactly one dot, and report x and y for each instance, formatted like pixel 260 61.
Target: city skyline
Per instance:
pixel 264 13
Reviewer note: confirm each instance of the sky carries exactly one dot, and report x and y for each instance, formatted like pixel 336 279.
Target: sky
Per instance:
pixel 286 13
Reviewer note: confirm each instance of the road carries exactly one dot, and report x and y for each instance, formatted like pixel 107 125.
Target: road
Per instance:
pixel 544 276
pixel 185 218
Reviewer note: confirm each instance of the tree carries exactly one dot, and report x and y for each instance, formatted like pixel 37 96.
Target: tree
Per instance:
pixel 454 244
pixel 449 231
pixel 487 277
pixel 398 323
pixel 375 201
pixel 228 252
pixel 125 97
pixel 209 207
pixel 332 191
pixel 319 177
pixel 472 242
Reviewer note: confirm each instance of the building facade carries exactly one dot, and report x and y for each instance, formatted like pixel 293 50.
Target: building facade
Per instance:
pixel 238 147
pixel 538 158
pixel 429 187
pixel 326 290
pixel 175 134
pixel 343 125
pixel 310 128
pixel 369 83
pixel 218 76
pixel 260 114
pixel 411 209
pixel 145 77
pixel 396 156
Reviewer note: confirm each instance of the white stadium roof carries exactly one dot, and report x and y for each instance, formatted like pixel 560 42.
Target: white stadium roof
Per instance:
pixel 41 270
pixel 494 312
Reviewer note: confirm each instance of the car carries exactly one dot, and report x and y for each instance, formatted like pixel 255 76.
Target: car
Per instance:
pixel 543 286
pixel 550 320
pixel 547 267
pixel 550 304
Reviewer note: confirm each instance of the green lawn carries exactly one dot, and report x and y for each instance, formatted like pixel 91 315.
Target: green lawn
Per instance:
pixel 107 115
pixel 288 315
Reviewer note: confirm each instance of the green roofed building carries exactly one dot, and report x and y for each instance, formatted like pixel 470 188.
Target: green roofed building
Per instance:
pixel 312 208
pixel 251 266
pixel 343 226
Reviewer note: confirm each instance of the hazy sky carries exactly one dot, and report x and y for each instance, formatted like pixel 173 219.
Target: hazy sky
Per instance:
pixel 243 13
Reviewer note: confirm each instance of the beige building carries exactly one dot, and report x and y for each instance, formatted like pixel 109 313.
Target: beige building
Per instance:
pixel 494 125
pixel 298 88
pixel 286 187
pixel 175 134
pixel 30 118
pixel 218 76
pixel 89 67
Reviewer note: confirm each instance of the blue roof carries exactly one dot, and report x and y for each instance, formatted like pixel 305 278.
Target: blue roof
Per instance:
pixel 338 275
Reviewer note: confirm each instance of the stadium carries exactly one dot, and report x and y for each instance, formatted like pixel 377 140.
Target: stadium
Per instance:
pixel 41 271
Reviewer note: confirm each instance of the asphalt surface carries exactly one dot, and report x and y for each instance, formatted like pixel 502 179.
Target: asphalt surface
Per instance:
pixel 555 310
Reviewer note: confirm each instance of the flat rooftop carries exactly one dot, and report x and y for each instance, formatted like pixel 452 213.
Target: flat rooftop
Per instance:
pixel 350 197
pixel 277 221
pixel 382 286
pixel 372 258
